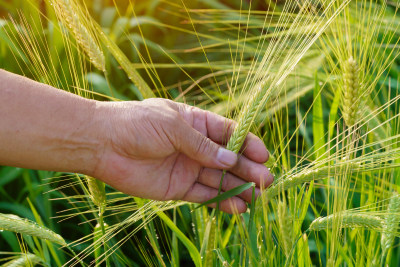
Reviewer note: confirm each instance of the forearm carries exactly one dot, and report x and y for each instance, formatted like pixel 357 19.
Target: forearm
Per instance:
pixel 45 128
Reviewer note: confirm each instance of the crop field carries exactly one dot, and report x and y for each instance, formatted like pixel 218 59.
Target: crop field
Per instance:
pixel 317 80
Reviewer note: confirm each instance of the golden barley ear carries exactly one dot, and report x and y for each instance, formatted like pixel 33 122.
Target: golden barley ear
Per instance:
pixel 69 15
pixel 352 95
pixel 13 223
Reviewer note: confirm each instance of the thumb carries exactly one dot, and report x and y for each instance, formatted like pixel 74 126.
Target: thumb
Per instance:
pixel 202 149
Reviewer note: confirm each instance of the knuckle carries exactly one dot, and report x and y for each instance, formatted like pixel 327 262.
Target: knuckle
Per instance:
pixel 203 145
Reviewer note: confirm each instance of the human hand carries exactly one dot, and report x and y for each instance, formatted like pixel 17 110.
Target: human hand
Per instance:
pixel 163 150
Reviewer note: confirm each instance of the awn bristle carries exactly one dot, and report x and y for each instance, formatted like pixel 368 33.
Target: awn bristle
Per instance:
pixel 351 92
pixel 97 191
pixel 10 222
pixel 392 221
pixel 24 260
pixel 285 221
pixel 70 17
pixel 347 220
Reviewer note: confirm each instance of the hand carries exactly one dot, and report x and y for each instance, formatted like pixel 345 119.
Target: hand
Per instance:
pixel 162 150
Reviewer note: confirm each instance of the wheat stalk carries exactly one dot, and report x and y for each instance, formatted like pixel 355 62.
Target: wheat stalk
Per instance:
pixel 68 14
pixel 23 261
pixel 10 222
pixel 285 221
pixel 347 220
pixel 392 221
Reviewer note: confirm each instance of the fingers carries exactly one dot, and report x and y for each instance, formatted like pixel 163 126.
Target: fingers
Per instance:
pixel 253 172
pixel 200 148
pixel 200 193
pixel 212 177
pixel 219 129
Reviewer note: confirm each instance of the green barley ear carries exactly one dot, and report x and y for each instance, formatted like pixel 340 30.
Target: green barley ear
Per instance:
pixel 97 191
pixel 246 117
pixel 23 261
pixel 69 15
pixel 211 243
pixel 347 220
pixel 13 223
pixel 285 221
pixel 391 223
pixel 306 176
pixel 351 92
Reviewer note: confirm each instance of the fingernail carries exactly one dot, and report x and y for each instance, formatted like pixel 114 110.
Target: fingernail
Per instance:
pixel 226 157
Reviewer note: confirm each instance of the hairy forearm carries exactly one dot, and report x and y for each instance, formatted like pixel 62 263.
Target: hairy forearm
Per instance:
pixel 46 128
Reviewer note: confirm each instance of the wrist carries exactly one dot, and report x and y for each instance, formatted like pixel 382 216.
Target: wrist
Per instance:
pixel 81 143
pixel 94 137
pixel 110 121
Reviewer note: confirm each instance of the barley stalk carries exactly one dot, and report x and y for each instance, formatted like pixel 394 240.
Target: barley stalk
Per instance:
pixel 98 242
pixel 23 261
pixel 69 15
pixel 351 93
pixel 10 222
pixel 347 220
pixel 97 191
pixel 285 221
pixel 392 221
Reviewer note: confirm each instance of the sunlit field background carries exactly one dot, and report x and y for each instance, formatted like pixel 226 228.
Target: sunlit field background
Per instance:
pixel 317 80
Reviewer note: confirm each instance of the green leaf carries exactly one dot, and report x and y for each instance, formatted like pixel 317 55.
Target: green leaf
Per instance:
pixel 228 194
pixel 194 253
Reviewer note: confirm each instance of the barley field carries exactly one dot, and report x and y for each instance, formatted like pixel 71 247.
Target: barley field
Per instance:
pixel 317 80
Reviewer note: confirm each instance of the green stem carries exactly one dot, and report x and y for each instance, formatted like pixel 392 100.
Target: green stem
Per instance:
pixel 103 232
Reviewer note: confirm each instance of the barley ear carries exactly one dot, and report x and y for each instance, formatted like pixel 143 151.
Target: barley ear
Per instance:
pixel 211 243
pixel 13 223
pixel 285 221
pixel 97 191
pixel 351 92
pixel 23 261
pixel 305 176
pixel 347 220
pixel 392 221
pixel 69 14
pixel 246 118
